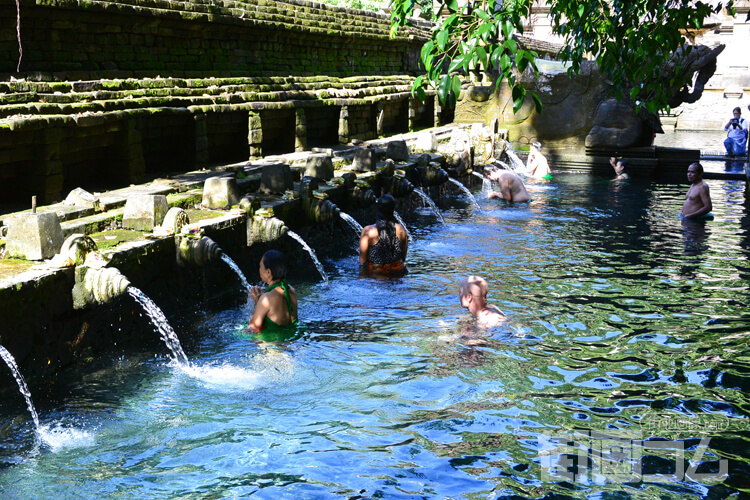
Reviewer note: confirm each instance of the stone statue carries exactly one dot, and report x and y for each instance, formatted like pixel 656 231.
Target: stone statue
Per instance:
pixel 581 111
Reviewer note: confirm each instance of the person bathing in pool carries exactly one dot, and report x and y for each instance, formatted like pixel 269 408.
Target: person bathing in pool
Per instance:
pixel 473 295
pixel 276 306
pixel 536 164
pixel 383 245
pixel 698 200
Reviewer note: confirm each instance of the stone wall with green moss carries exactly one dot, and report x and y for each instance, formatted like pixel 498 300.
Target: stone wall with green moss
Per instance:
pixel 110 93
pixel 86 39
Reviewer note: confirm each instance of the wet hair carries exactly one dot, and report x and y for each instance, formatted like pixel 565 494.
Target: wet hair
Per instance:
pixel 274 261
pixel 537 145
pixel 386 221
pixel 473 285
pixel 700 167
pixel 737 109
pixel 625 165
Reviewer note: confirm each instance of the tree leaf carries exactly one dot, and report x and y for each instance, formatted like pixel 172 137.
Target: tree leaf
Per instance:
pixel 444 88
pixel 456 85
pixel 456 63
pixel 518 101
pixel 482 56
pixel 442 38
pixel 452 5
pixel 537 101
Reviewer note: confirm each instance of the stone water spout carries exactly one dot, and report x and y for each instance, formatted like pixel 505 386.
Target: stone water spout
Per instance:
pixel 95 286
pixel 393 181
pixel 358 192
pixel 195 251
pixel 315 204
pixel 430 175
pixel 94 283
pixel 400 187
pixel 263 227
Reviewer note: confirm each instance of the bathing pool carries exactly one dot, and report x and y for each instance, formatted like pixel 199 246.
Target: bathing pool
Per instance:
pixel 621 371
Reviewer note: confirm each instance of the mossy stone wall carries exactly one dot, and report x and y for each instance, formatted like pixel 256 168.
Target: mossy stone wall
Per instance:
pixel 90 39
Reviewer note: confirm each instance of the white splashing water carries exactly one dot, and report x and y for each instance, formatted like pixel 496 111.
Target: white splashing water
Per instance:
pixel 466 191
pixel 22 387
pixel 486 185
pixel 224 377
pixel 160 322
pixel 515 161
pixel 401 221
pixel 233 265
pixel 352 223
pixel 430 204
pixel 59 438
pixel 312 254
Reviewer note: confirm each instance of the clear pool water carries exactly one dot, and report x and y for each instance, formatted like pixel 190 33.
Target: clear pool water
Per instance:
pixel 622 371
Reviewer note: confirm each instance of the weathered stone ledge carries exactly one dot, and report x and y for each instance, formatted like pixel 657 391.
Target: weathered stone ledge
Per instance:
pixel 307 17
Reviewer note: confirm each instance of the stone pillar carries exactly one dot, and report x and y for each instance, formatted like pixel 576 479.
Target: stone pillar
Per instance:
pixel 300 130
pixel 201 140
pixel 47 169
pixel 34 236
pixel 344 136
pixel 220 192
pixel 254 135
pixel 132 151
pixel 381 118
pixel 438 111
pixel 143 212
pixel 413 113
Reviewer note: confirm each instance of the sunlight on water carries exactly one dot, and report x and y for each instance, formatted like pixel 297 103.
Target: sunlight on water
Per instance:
pixel 626 329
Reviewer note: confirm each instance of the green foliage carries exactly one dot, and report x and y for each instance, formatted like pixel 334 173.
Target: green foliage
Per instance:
pixel 474 38
pixel 630 40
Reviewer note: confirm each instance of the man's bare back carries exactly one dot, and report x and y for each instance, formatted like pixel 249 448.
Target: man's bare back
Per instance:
pixel 511 187
pixel 698 200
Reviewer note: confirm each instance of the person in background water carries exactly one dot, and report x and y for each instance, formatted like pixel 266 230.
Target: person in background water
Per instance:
pixel 511 186
pixel 536 164
pixel 473 295
pixel 276 306
pixel 383 245
pixel 736 129
pixel 621 168
pixel 698 200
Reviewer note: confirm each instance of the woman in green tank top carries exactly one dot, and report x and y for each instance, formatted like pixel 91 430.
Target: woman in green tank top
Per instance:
pixel 276 306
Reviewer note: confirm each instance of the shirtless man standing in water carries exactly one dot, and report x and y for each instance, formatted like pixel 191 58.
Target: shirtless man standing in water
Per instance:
pixel 698 199
pixel 511 186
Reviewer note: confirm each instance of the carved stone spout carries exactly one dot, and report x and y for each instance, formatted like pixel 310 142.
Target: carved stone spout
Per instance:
pixel 315 204
pixel 262 229
pixel 431 175
pixel 97 286
pixel 196 252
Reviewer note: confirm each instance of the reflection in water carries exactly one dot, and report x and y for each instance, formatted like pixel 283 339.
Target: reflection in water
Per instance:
pixel 625 326
pixel 696 232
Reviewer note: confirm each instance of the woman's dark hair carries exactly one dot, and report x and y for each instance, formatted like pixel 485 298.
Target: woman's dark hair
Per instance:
pixel 737 109
pixel 274 261
pixel 386 223
pixel 625 165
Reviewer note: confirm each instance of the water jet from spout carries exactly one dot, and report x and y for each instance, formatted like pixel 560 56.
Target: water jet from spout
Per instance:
pixel 162 325
pixel 234 267
pixel 22 387
pixel 465 190
pixel 401 221
pixel 426 199
pixel 312 254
